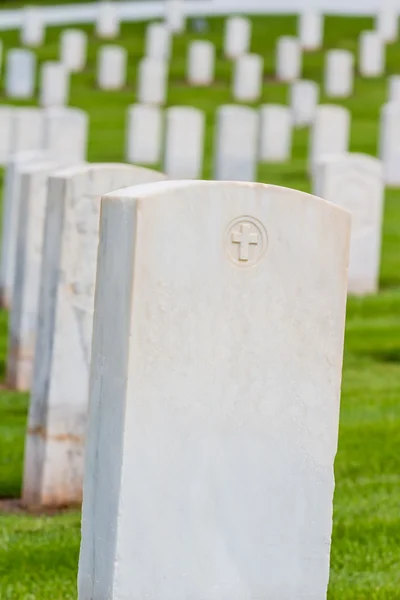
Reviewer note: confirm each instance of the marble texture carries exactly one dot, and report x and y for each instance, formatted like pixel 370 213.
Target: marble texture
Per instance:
pixel 248 78
pixel 275 133
pixel 330 132
pixel 54 84
pixel 355 182
pixel 143 134
pixel 28 261
pixel 201 63
pixel 20 74
pixel 339 73
pixel 237 37
pixel 53 466
pixel 214 393
pixel 111 67
pixel 184 142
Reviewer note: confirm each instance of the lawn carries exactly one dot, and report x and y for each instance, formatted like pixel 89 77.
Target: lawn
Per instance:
pixel 39 554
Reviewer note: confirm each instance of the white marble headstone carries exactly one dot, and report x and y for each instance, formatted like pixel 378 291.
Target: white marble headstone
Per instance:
pixel 288 59
pixel 6 116
pixel 143 134
pixel 215 393
pixel 311 30
pixel 237 37
pixel 73 48
pixel 389 143
pixel 330 132
pixel 355 182
pixel 201 63
pixel 65 134
pixel 236 140
pixel 20 74
pixel 32 26
pixel 386 22
pixel 175 18
pixel 152 81
pixel 184 142
pixel 27 129
pixel 372 52
pixel 394 88
pixel 248 78
pixel 275 133
pixel 111 67
pixel 54 84
pixel 304 97
pixel 107 21
pixel 158 42
pixel 339 73
pixel 58 406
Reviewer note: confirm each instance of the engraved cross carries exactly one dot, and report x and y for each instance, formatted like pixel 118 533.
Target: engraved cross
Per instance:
pixel 244 237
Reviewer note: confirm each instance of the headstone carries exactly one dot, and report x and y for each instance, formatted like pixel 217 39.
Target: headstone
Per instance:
pixel 6 116
pixel 107 22
pixel 20 74
pixel 236 143
pixel 184 142
pixel 386 22
pixel 175 18
pixel 389 143
pixel 111 67
pixel 201 63
pixel 339 73
pixel 152 81
pixel 304 98
pixel 311 30
pixel 58 406
pixel 11 199
pixel 275 133
pixel 288 59
pixel 54 84
pixel 158 42
pixel 66 134
pixel 371 54
pixel 32 26
pixel 237 37
pixel 1 56
pixel 394 88
pixel 143 137
pixel 215 393
pixel 27 129
pixel 330 132
pixel 73 49
pixel 248 78
pixel 355 182
pixel 28 261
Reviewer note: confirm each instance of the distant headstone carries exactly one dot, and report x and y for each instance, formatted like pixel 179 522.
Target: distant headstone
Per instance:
pixel 175 18
pixel 389 146
pixel 248 78
pixel 237 37
pixel 143 135
pixel 339 73
pixel 330 132
pixel 371 54
pixel 152 81
pixel 355 182
pixel 107 22
pixel 20 74
pixel 27 129
pixel 275 133
pixel 28 262
pixel 288 59
pixel 304 98
pixel 158 42
pixel 58 407
pixel 32 26
pixel 184 142
pixel 201 63
pixel 236 143
pixel 54 84
pixel 394 88
pixel 111 67
pixel 1 56
pixel 311 30
pixel 73 49
pixel 65 134
pixel 6 116
pixel 386 22
pixel 215 393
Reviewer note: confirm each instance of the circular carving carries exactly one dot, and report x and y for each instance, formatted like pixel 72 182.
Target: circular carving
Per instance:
pixel 246 241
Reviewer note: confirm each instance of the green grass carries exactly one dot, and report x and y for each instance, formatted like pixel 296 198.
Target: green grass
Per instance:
pixel 38 556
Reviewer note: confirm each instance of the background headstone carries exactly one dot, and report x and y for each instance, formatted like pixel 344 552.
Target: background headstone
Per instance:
pixel 32 27
pixel 201 63
pixel 389 146
pixel 20 74
pixel 304 97
pixel 386 22
pixel 73 48
pixel 65 134
pixel 237 37
pixel 175 18
pixel 107 22
pixel 184 142
pixel 275 133
pixel 6 116
pixel 158 42
pixel 152 81
pixel 54 84
pixel 288 59
pixel 339 73
pixel 394 88
pixel 111 67
pixel 371 54
pixel 330 132
pixel 311 30
pixel 143 135
pixel 248 78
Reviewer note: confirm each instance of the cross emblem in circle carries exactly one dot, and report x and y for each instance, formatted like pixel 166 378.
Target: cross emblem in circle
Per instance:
pixel 245 238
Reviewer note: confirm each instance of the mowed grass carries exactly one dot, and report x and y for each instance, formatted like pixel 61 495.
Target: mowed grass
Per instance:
pixel 39 555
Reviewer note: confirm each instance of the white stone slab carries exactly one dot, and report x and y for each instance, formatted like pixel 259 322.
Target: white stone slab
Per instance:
pixel 236 143
pixel 394 88
pixel 330 132
pixel 184 142
pixel 201 63
pixel 152 81
pixel 311 30
pixel 158 42
pixel 371 57
pixel 386 23
pixel 111 67
pixel 237 37
pixel 57 413
pixel 339 73
pixel 288 59
pixel 54 84
pixel 20 74
pixel 27 129
pixel 6 116
pixel 28 262
pixel 275 133
pixel 304 98
pixel 143 134
pixel 215 393
pixel 389 143
pixel 1 56
pixel 107 22
pixel 66 134
pixel 175 17
pixel 32 26
pixel 73 48
pixel 248 78
pixel 355 182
